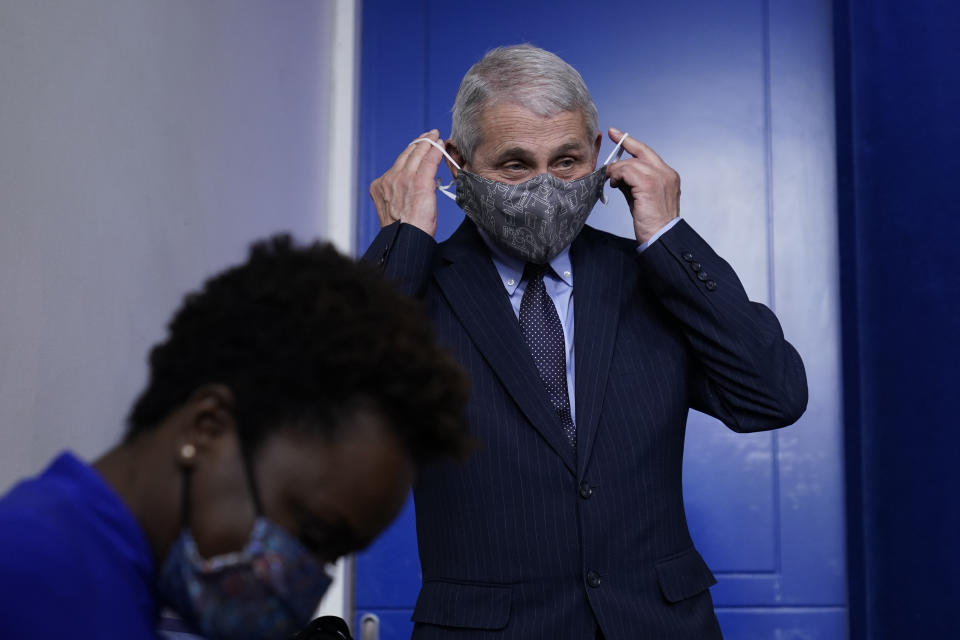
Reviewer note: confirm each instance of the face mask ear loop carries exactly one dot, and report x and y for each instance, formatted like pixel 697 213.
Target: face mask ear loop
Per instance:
pixel 185 474
pixel 251 482
pixel 618 150
pixel 442 150
pixel 444 188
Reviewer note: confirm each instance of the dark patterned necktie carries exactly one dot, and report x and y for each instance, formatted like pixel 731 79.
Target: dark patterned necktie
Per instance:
pixel 541 328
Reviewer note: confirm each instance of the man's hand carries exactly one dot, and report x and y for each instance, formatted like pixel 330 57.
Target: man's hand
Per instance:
pixel 652 188
pixel 407 191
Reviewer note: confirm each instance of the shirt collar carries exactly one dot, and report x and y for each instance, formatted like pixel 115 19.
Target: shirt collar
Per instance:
pixel 510 267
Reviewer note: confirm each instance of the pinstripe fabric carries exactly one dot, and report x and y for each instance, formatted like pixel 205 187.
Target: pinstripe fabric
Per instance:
pixel 527 539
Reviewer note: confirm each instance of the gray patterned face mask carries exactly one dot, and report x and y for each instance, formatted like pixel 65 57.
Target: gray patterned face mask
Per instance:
pixel 534 220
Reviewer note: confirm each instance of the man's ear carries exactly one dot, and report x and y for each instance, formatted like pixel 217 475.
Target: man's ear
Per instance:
pixel 207 417
pixel 596 147
pixel 455 154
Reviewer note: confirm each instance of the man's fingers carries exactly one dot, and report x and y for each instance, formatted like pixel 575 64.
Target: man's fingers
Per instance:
pixel 422 150
pixel 635 148
pixel 406 191
pixel 631 171
pixel 411 156
pixel 429 161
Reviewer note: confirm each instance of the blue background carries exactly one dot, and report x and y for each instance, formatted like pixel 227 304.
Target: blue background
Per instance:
pixel 898 103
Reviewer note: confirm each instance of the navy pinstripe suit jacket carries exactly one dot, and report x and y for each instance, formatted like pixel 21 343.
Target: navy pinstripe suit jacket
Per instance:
pixel 530 539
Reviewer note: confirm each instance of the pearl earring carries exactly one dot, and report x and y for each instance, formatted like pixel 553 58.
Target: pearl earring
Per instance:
pixel 188 452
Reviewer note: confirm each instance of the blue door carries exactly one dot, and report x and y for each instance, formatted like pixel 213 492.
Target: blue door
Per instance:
pixel 738 97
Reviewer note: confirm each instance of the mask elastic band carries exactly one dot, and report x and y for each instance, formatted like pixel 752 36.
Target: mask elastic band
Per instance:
pixel 444 188
pixel 251 481
pixel 186 474
pixel 616 150
pixel 442 150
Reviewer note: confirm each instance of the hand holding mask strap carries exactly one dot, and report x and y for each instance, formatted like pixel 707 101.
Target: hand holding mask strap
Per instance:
pixel 534 220
pixel 616 150
pixel 444 188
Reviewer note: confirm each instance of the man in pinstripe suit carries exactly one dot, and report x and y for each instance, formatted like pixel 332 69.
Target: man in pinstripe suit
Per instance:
pixel 568 522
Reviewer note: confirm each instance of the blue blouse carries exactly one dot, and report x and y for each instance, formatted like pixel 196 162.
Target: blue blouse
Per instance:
pixel 74 563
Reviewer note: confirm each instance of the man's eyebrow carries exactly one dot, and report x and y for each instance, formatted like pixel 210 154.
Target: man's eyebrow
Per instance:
pixel 566 147
pixel 514 153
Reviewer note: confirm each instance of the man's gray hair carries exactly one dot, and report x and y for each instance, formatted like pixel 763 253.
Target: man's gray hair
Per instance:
pixel 520 74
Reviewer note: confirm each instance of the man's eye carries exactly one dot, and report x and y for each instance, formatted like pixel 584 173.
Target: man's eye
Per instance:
pixel 513 166
pixel 565 163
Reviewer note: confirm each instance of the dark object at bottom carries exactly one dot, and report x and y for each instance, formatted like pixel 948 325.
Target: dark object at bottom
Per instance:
pixel 324 628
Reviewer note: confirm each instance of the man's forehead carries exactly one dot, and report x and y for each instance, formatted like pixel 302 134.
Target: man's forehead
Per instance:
pixel 509 128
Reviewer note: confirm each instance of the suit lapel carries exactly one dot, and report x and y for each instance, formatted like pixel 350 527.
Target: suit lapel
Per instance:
pixel 471 286
pixel 597 273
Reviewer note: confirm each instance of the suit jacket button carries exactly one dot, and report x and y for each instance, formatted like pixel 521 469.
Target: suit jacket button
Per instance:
pixel 710 285
pixel 702 276
pixel 585 490
pixel 686 255
pixel 593 579
pixel 696 266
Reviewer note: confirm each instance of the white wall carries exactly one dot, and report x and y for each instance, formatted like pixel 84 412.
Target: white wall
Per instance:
pixel 143 145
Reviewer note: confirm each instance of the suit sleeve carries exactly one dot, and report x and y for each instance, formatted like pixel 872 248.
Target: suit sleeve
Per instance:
pixel 406 256
pixel 746 374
